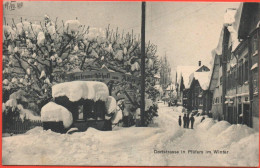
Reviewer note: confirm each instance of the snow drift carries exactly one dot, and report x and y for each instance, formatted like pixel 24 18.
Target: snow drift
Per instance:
pixel 135 146
pixel 55 112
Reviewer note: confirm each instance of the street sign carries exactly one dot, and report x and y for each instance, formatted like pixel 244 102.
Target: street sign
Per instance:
pixel 103 75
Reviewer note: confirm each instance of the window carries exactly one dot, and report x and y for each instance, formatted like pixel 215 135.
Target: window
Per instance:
pixel 228 80
pixel 255 44
pixel 246 71
pixel 255 81
pixel 220 80
pixel 240 72
pixel 231 78
pixel 234 81
pixel 229 54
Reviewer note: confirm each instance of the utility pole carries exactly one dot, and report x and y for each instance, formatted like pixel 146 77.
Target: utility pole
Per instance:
pixel 143 65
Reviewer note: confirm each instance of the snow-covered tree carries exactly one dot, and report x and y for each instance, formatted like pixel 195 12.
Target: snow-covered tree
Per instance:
pixel 37 55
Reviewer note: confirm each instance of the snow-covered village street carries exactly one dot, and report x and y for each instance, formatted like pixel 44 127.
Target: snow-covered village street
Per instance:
pixel 143 83
pixel 139 145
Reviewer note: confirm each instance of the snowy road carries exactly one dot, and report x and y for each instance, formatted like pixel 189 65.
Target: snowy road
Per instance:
pixel 136 146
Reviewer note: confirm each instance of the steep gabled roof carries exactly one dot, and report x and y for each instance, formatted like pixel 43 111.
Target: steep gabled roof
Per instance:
pixel 214 73
pixel 202 78
pixel 183 72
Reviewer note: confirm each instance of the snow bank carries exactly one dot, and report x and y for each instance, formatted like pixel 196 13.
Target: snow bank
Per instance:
pixel 35 130
pixel 55 112
pixel 244 152
pixel 179 109
pixel 219 127
pixel 76 90
pixel 133 146
pixel 206 124
pixel 234 133
pixel 111 104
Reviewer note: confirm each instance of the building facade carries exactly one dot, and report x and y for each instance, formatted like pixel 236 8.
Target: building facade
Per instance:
pixel 235 76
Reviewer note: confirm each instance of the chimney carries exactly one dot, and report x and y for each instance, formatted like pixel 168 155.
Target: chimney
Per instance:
pixel 199 63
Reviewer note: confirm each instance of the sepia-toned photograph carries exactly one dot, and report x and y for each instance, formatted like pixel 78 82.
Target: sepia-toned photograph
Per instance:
pixel 112 83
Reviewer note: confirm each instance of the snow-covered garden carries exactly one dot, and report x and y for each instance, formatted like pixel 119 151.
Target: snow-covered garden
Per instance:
pixel 160 144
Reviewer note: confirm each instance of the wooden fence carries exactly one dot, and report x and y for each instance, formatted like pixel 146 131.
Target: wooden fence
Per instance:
pixel 20 127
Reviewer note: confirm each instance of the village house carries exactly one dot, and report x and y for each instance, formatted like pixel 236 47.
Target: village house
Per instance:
pixel 234 79
pixel 198 95
pixel 158 87
pixel 170 92
pixel 183 82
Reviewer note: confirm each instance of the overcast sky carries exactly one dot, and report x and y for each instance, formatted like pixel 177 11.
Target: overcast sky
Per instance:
pixel 186 31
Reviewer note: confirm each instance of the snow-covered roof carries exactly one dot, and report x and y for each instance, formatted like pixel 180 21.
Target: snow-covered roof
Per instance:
pixel 185 72
pixel 231 21
pixel 218 49
pixel 76 90
pixel 202 77
pixel 229 16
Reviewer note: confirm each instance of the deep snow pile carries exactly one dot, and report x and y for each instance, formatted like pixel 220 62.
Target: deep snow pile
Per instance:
pixel 55 112
pixel 76 90
pixel 135 146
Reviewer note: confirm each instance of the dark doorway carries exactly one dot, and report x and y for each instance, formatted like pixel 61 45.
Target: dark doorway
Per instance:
pixel 246 114
pixel 230 114
pixel 240 115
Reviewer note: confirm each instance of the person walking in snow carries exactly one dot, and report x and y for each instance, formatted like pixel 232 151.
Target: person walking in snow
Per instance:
pixel 188 121
pixel 184 121
pixel 192 121
pixel 179 120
